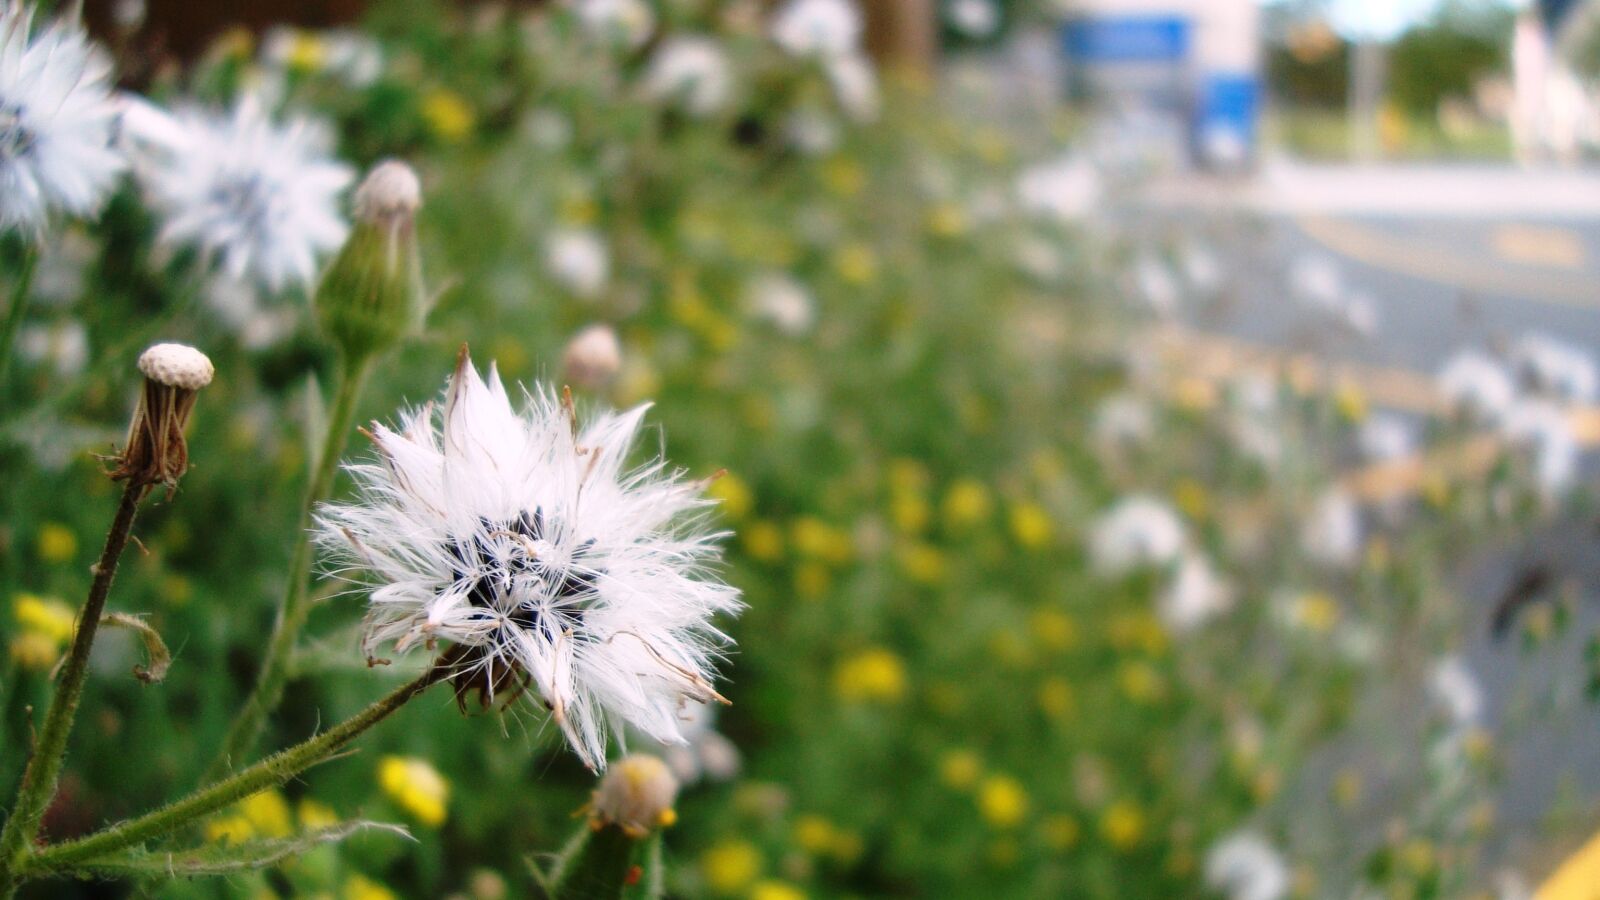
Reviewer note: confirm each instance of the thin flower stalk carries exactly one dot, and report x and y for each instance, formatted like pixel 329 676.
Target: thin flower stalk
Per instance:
pixel 296 607
pixel 270 772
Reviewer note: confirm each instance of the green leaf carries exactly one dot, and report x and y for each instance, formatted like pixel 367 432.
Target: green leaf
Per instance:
pixel 316 423
pixel 218 859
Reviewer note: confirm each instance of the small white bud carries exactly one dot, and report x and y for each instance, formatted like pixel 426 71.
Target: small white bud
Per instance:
pixel 391 189
pixel 593 357
pixel 637 796
pixel 177 365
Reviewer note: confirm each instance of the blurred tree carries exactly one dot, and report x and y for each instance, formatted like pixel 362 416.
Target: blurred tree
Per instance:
pixel 1445 57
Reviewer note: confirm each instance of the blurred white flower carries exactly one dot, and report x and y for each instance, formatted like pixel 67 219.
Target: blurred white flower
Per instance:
pixel 526 543
pixel 1331 533
pixel 57 121
pixel 1197 594
pixel 63 346
pixel 705 753
pixel 578 259
pixel 1257 439
pixel 1201 267
pixel 593 357
pixel 1386 437
pixel 1359 313
pixel 1254 393
pixel 1156 284
pixel 824 28
pixel 1245 866
pixel 1556 367
pixel 973 18
pixel 1066 190
pixel 345 53
pixel 1476 384
pixel 692 71
pixel 625 22
pixel 1316 281
pixel 261 197
pixel 1455 688
pixel 855 84
pixel 812 132
pixel 1138 531
pixel 782 300
pixel 1039 258
pixel 1124 418
pixel 1542 428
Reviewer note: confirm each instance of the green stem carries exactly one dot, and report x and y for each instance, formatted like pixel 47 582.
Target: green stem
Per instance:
pixel 43 773
pixel 270 772
pixel 597 868
pixel 296 607
pixel 18 309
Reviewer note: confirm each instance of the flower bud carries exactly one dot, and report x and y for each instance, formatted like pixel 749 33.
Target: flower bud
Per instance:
pixel 592 358
pixel 371 295
pixel 636 796
pixel 155 451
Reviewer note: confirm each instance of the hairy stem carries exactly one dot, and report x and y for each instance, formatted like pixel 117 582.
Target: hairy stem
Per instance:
pixel 268 773
pixel 17 309
pixel 43 773
pixel 296 606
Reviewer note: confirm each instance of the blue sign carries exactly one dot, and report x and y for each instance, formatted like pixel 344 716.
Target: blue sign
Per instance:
pixel 1127 39
pixel 1227 109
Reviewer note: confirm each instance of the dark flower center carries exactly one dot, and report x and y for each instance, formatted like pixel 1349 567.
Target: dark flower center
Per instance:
pixel 15 138
pixel 517 570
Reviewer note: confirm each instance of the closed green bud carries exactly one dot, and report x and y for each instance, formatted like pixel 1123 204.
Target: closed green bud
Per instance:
pixel 371 296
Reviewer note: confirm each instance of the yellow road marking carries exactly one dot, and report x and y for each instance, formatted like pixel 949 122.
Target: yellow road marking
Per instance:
pixel 1434 262
pixel 1549 248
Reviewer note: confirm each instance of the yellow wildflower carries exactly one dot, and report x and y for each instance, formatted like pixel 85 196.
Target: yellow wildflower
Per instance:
pixel 1053 629
pixel 34 651
pixel 1122 825
pixel 268 814
pixel 874 674
pixel 315 816
pixel 910 512
pixel 769 889
pixel 1002 801
pixel 947 220
pixel 960 769
pixel 229 829
pixel 856 263
pixel 763 540
pixel 730 866
pixel 416 787
pixel 307 52
pixel 50 618
pixel 812 580
pixel 360 887
pixel 922 563
pixel 56 543
pixel 736 497
pixel 966 504
pixel 1031 525
pixel 1056 699
pixel 447 114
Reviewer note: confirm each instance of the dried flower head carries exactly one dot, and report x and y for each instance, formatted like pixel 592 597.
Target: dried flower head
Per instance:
pixel 636 796
pixel 156 452
pixel 523 540
pixel 592 358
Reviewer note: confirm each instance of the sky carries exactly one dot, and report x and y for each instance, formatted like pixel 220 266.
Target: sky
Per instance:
pixel 1383 19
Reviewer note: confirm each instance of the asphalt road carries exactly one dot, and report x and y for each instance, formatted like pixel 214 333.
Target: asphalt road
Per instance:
pixel 1439 283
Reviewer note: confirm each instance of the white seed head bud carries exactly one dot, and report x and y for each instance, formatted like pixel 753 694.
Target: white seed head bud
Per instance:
pixel 391 189
pixel 637 796
pixel 177 365
pixel 593 357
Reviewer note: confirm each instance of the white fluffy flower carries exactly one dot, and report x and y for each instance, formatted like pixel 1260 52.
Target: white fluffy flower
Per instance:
pixel 706 753
pixel 855 84
pixel 626 22
pixel 1386 437
pixel 692 71
pixel 1245 866
pixel 1540 427
pixel 579 261
pixel 1556 367
pixel 63 347
pixel 1138 531
pixel 1156 285
pixel 817 27
pixel 973 18
pixel 783 301
pixel 57 121
pixel 1124 419
pixel 1066 190
pixel 1331 534
pixel 1477 384
pixel 530 546
pixel 1455 688
pixel 261 196
pixel 1197 593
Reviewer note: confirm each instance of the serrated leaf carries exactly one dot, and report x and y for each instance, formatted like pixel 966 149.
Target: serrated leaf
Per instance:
pixel 154 647
pixel 219 859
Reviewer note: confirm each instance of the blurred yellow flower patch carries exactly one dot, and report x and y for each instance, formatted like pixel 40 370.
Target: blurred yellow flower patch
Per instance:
pixel 416 787
pixel 56 543
pixel 730 866
pixel 871 675
pixel 1002 801
pixel 447 114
